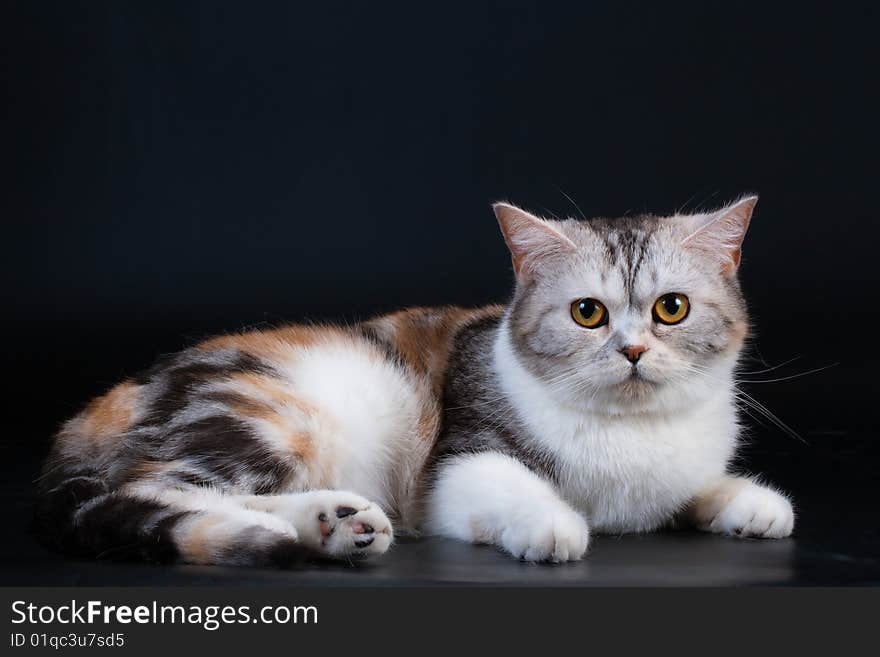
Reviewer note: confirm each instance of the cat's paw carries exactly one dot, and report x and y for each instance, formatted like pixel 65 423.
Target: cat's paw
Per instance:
pixel 752 511
pixel 555 536
pixel 339 524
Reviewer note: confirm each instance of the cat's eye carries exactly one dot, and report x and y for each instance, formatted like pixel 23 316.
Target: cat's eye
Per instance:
pixel 589 313
pixel 671 308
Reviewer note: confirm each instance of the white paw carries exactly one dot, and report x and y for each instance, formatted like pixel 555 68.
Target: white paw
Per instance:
pixel 754 511
pixel 556 536
pixel 337 523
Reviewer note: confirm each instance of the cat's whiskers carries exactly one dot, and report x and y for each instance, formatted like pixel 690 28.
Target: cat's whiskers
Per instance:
pixel 571 385
pixel 744 398
pixel 768 368
pixel 789 378
pixel 571 200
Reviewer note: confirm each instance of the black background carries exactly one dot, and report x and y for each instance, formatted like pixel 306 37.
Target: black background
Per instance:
pixel 176 169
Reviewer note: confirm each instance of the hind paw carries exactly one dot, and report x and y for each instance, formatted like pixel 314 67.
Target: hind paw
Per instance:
pixel 338 524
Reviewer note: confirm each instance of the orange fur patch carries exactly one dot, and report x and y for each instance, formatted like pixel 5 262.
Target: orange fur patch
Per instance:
pixel 264 398
pixel 147 469
pixel 273 344
pixel 112 413
pixel 424 336
pixel 152 470
pixel 195 544
pixel 303 444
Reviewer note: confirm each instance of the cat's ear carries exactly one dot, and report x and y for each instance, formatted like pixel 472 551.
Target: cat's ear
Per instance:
pixel 531 240
pixel 720 234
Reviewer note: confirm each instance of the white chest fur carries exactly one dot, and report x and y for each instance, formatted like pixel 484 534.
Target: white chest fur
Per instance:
pixel 626 473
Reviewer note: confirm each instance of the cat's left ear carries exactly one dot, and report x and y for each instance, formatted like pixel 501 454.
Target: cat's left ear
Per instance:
pixel 720 234
pixel 532 241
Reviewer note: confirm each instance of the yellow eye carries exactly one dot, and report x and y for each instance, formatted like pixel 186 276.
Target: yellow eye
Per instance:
pixel 671 308
pixel 589 313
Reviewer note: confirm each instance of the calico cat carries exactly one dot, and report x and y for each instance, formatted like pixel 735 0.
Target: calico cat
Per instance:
pixel 601 398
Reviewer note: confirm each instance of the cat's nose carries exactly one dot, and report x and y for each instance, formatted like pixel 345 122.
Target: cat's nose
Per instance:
pixel 633 352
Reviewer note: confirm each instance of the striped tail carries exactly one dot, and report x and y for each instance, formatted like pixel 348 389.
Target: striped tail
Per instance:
pixel 81 516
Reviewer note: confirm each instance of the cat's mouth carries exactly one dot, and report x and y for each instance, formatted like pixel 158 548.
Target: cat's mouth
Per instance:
pixel 636 380
pixel 636 374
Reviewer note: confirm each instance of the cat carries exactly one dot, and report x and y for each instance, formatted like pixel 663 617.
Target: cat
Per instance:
pixel 600 399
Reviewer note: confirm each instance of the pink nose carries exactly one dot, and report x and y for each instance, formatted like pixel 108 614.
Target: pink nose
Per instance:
pixel 633 352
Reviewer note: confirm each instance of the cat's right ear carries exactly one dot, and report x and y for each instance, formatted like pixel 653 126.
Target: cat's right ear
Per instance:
pixel 720 234
pixel 531 240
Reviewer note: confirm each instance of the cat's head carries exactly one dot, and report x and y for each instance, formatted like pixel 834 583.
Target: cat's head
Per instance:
pixel 630 314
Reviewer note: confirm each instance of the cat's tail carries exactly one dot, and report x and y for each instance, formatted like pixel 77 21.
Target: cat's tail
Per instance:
pixel 81 515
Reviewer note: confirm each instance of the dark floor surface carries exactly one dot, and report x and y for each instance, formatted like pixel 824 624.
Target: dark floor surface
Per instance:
pixel 681 559
pixel 837 542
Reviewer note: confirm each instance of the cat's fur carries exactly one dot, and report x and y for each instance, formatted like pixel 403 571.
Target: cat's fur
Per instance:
pixel 511 425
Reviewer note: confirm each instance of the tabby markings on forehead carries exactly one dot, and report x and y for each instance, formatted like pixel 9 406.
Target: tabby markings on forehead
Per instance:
pixel 625 250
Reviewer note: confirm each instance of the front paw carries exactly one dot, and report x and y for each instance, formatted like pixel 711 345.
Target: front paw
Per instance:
pixel 752 510
pixel 555 536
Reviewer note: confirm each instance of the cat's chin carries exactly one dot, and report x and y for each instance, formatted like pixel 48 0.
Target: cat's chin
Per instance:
pixel 634 385
pixel 637 395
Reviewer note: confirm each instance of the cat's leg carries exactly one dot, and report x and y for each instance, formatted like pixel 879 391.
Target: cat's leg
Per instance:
pixel 332 523
pixel 493 498
pixel 193 525
pixel 233 529
pixel 741 507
